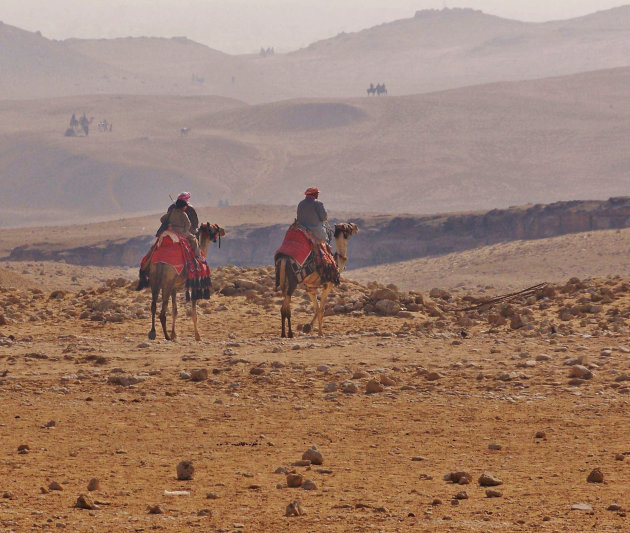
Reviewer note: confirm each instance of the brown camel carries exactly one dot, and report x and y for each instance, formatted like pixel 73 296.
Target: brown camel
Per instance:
pixel 164 277
pixel 287 282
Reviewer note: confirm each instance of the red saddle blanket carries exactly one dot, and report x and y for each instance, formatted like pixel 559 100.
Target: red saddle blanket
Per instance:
pixel 308 254
pixel 175 250
pixel 297 245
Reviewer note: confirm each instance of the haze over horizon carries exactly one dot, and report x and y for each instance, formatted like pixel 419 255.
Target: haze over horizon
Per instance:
pixel 243 26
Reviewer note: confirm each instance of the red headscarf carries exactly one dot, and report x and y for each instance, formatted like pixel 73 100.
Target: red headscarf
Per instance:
pixel 312 192
pixel 184 196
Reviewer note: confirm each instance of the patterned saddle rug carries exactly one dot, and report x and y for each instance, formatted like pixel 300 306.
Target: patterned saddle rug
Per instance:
pixel 307 255
pixel 174 249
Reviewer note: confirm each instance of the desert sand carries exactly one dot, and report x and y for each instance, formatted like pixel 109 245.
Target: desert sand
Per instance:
pixel 533 392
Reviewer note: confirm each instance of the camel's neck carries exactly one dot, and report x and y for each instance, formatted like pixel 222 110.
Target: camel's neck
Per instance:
pixel 341 246
pixel 204 242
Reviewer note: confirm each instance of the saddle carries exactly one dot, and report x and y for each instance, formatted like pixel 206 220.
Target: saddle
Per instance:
pixel 307 255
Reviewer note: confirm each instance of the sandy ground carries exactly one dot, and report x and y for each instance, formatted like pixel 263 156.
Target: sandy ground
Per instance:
pixel 92 398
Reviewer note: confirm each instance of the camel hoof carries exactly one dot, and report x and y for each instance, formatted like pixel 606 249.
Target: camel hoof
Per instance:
pixel 306 328
pixel 152 335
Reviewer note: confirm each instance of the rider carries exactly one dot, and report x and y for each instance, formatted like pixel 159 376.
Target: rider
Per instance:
pixel 311 214
pixel 177 220
pixel 190 211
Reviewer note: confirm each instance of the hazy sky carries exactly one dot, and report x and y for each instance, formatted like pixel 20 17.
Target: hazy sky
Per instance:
pixel 243 26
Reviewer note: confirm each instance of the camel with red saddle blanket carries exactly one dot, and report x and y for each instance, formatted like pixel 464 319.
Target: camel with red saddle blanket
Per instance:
pixel 173 268
pixel 304 260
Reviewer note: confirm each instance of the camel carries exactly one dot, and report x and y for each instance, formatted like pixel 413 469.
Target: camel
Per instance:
pixel 287 282
pixel 164 277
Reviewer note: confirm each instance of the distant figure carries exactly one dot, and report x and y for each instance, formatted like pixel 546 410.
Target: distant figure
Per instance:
pixel 381 89
pixel 85 124
pixel 371 90
pixel 184 131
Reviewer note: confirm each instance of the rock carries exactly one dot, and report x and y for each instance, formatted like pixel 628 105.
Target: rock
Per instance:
pixel 155 509
pixel 373 386
pixel 313 455
pixel 123 381
pixel 348 387
pixel 461 495
pixel 387 307
pixel 323 368
pixel 620 457
pixel 302 462
pixel 212 496
pixel 432 376
pixel 360 375
pixel 55 486
pixel 294 480
pixel 595 476
pixel 294 509
pixel 256 371
pixel 23 448
pixel 85 502
pixel 454 501
pixel 384 294
pixel 614 507
pixel 488 480
pixel 581 507
pixel 199 374
pixel 93 484
pixel 330 387
pixel 493 493
pixel 460 477
pixel 540 435
pixel 185 470
pixel 418 458
pixel 309 485
pixel 495 447
pixel 581 372
pixel 387 381
pixel 436 501
pixel 204 512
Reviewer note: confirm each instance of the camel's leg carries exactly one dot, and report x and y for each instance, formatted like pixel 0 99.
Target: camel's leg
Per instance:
pixel 193 313
pixel 166 294
pixel 174 312
pixel 312 294
pixel 322 306
pixel 285 312
pixel 154 296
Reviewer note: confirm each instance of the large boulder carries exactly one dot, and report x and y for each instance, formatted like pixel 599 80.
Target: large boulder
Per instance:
pixel 388 307
pixel 384 294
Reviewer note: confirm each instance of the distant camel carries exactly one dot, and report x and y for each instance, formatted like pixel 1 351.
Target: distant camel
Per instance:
pixel 184 131
pixel 164 277
pixel 85 124
pixel 381 89
pixel 371 90
pixel 287 281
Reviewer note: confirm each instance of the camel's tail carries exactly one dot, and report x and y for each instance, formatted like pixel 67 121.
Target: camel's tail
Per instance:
pixel 281 274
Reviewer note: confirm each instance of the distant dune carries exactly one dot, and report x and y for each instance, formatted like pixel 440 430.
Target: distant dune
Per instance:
pixel 511 265
pixel 466 149
pixel 432 51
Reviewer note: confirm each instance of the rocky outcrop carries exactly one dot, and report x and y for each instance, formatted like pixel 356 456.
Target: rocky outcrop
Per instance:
pixel 382 239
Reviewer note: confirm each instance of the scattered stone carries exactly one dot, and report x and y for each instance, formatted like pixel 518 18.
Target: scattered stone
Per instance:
pixel 85 502
pixel 493 493
pixel 256 371
pixel 461 478
pixel 313 455
pixel 454 501
pixel 418 458
pixel 23 449
pixel 581 507
pixel 199 374
pixel 294 509
pixel 436 501
pixel 461 495
pixel 294 480
pixel 204 512
pixel 309 484
pixel 540 435
pixel 330 387
pixel 212 496
pixel 596 476
pixel 185 470
pixel 156 509
pixel 494 447
pixel 581 372
pixel 301 462
pixel 373 387
pixel 54 485
pixel 93 484
pixel 348 387
pixel 432 376
pixel 620 457
pixel 488 480
pixel 614 507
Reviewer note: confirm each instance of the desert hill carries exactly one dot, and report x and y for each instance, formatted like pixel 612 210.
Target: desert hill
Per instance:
pixel 434 50
pixel 466 149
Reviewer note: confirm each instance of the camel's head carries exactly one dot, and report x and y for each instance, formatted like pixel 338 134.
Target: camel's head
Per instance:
pixel 212 231
pixel 347 229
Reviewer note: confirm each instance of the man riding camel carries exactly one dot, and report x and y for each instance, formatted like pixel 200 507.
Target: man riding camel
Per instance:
pixel 177 219
pixel 190 212
pixel 311 214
